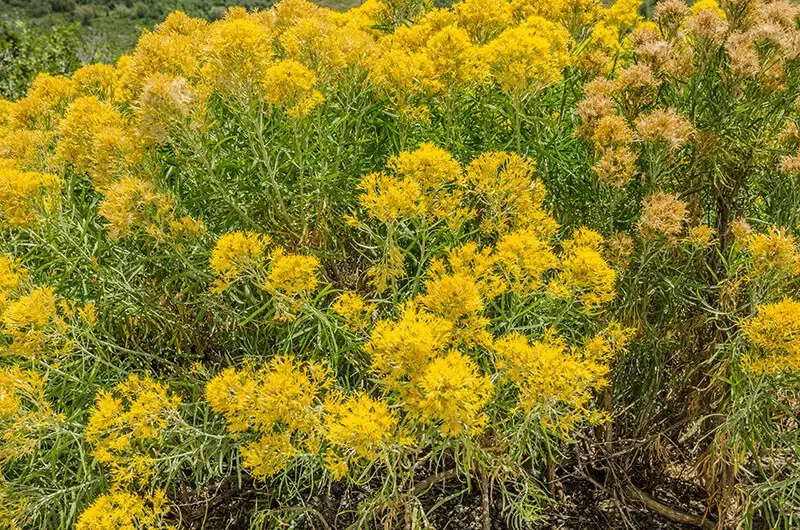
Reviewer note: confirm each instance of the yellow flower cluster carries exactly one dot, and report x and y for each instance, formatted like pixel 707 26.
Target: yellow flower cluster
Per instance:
pixel 556 381
pixel 24 411
pixel 280 402
pixel 774 252
pixel 775 331
pixel 26 322
pixel 353 309
pixel 126 425
pixel 120 510
pixel 584 273
pixel 410 354
pixel 291 409
pixel 97 141
pixel 235 254
pixel 24 193
pixel 356 427
pixel 244 254
pixel 292 274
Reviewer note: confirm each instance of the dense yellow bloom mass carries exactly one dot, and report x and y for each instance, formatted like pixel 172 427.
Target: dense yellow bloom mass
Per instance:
pixel 358 425
pixel 126 422
pixel 289 84
pixel 404 347
pixel 11 275
pixel 523 257
pixel 388 198
pixel 584 273
pixel 353 309
pixel 284 390
pixel 235 254
pixel 22 193
pixel 24 411
pixel 97 141
pixel 552 381
pixel 530 56
pixel 776 251
pixel 429 166
pixel 451 392
pixel 292 274
pixel 509 197
pixel 775 330
pixel 281 402
pixel 32 310
pixel 25 320
pixel 481 265
pixel 120 510
pixel 453 296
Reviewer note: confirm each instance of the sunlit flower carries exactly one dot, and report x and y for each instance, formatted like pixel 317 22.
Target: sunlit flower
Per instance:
pixel 530 56
pixel 775 251
pixel 451 392
pixel 292 273
pixel 552 381
pixel 128 420
pixel 775 330
pixel 236 253
pixel 404 347
pixel 121 510
pixel 358 425
pixel 584 274
pixel 523 258
pixel 353 309
pixel 389 198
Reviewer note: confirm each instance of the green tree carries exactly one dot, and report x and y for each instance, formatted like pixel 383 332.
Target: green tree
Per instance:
pixel 25 51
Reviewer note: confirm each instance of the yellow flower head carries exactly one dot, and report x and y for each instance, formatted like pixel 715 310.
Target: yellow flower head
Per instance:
pixel 429 166
pixel 480 265
pixel 409 344
pixel 237 54
pixel 584 273
pixel 126 422
pixel 775 330
pixel 290 84
pixel 353 309
pixel 31 311
pixel 237 253
pixel 97 141
pixel 96 80
pixel 530 56
pixel 451 391
pixel 358 425
pixel 552 381
pixel 21 194
pixel 292 274
pixel 775 251
pixel 284 391
pixel 453 296
pixel 389 198
pixel 523 258
pixel 484 19
pixel 507 194
pixel 121 510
